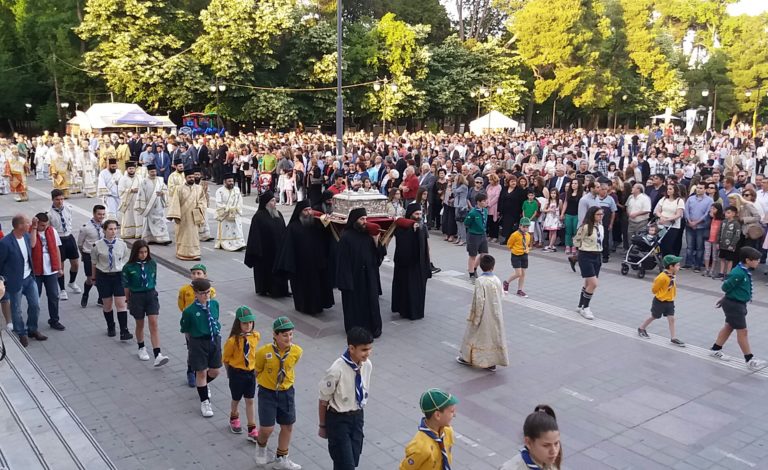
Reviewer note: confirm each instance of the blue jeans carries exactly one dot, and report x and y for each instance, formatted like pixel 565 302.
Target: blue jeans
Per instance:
pixel 51 283
pixel 28 290
pixel 694 251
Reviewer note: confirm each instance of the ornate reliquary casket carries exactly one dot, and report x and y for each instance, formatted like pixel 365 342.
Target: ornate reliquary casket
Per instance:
pixel 374 203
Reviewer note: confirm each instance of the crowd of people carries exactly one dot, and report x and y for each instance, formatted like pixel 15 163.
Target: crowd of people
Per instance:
pixel 587 191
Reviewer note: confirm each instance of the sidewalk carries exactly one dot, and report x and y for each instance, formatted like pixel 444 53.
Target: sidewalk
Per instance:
pixel 622 402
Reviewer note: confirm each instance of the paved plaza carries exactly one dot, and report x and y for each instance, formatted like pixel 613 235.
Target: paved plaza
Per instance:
pixel 622 402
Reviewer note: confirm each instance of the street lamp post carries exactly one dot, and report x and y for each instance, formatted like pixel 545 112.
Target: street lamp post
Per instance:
pixel 217 87
pixel 485 93
pixel 339 98
pixel 748 94
pixel 64 106
pixel 381 86
pixel 29 122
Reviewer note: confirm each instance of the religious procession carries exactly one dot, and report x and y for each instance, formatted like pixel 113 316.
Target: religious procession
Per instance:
pixel 480 193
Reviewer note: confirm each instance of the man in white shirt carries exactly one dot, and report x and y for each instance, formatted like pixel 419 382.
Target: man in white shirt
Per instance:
pixel 48 267
pixel 638 209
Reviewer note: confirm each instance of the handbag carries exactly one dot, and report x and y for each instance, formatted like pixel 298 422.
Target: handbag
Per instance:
pixel 461 213
pixel 755 232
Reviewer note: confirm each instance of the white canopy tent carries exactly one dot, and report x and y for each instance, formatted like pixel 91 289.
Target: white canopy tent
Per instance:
pixel 491 122
pixel 111 115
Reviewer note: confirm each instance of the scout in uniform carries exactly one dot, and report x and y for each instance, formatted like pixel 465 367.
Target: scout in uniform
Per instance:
pixel 275 365
pixel 89 234
pixel 186 297
pixel 200 323
pixel 240 360
pixel 432 446
pixel 343 395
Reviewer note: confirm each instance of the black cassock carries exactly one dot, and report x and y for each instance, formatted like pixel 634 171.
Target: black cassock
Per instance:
pixel 412 269
pixel 357 277
pixel 265 240
pixel 305 260
pixel 511 209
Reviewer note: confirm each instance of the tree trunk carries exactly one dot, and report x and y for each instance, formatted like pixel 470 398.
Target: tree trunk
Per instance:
pixel 80 20
pixel 460 12
pixel 529 115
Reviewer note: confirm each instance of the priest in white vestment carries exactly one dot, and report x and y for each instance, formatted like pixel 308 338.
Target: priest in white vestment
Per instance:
pixel 229 210
pixel 151 203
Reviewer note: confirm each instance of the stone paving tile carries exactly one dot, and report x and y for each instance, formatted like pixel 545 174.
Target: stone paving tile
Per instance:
pixel 621 403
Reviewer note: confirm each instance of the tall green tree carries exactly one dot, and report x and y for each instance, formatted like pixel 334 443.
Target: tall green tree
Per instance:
pixel 237 46
pixel 745 39
pixel 139 51
pixel 402 58
pixel 561 41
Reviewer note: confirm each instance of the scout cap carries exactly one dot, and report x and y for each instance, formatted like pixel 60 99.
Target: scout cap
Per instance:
pixel 244 314
pixel 669 260
pixel 201 285
pixel 282 324
pixel 435 399
pixel 525 222
pixel 199 267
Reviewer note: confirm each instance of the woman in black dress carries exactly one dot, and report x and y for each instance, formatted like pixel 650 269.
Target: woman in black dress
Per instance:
pixel 510 208
pixel 436 199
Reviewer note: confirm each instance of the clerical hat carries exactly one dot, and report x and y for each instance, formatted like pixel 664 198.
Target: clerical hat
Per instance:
pixel 355 214
pixel 112 161
pixel 151 167
pixel 412 207
pixel 130 164
pixel 189 172
pixel 228 176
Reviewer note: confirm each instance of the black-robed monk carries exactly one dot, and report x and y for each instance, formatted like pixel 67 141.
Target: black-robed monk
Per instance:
pixel 357 273
pixel 265 240
pixel 305 260
pixel 412 266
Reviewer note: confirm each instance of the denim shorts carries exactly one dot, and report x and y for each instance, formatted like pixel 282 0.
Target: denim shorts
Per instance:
pixel 276 406
pixel 589 263
pixel 242 383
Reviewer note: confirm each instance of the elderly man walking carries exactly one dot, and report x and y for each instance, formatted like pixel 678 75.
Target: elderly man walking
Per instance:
pixel 16 267
pixel 638 209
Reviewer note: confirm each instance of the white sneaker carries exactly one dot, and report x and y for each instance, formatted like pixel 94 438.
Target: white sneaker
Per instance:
pixel 284 463
pixel 75 288
pixel 586 312
pixel 161 360
pixel 719 355
pixel 143 354
pixel 756 364
pixel 9 327
pixel 63 295
pixel 261 455
pixel 206 409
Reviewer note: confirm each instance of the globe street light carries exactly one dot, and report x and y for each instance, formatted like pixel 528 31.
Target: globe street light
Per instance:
pixel 748 93
pixel 378 86
pixel 705 93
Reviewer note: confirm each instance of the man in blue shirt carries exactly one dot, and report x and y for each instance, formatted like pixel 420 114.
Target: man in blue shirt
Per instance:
pixel 696 215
